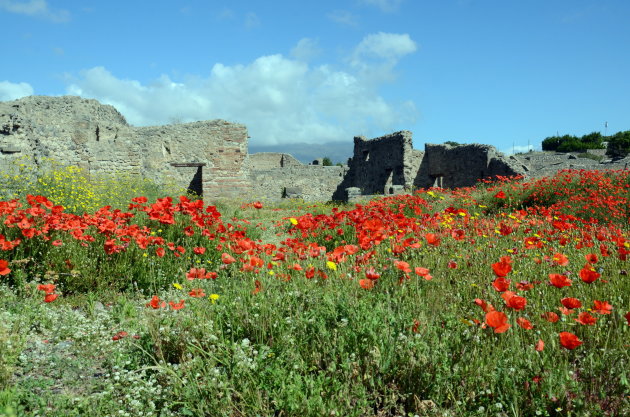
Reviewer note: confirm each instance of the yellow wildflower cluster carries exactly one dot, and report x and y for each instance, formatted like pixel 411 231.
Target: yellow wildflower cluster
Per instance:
pixel 73 187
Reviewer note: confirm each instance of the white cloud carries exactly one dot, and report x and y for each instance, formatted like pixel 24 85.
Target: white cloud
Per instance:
pixel 377 54
pixel 388 46
pixel 385 5
pixel 305 50
pixel 36 8
pixel 279 99
pixel 252 20
pixel 343 17
pixel 12 91
pixel 225 14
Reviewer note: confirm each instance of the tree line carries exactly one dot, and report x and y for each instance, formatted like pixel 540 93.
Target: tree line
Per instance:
pixel 618 144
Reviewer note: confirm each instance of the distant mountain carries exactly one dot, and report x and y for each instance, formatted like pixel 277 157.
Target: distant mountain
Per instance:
pixel 307 152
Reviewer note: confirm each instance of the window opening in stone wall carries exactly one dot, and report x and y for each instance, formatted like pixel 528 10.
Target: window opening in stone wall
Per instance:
pixel 195 187
pixel 366 155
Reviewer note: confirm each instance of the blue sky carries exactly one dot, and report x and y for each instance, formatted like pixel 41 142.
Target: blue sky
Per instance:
pixel 502 72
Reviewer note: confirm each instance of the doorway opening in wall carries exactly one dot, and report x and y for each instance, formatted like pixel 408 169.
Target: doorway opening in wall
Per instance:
pixel 195 187
pixel 438 181
pixel 389 181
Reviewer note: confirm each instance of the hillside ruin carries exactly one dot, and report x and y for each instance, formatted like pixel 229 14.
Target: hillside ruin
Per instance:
pixel 210 158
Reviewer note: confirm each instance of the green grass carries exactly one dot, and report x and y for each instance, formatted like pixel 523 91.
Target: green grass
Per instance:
pixel 317 347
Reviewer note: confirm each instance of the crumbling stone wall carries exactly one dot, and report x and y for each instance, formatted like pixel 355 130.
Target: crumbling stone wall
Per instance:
pixel 389 165
pixel 211 156
pixel 464 165
pixel 96 137
pixel 270 160
pixel 381 163
pixel 309 182
pixel 543 164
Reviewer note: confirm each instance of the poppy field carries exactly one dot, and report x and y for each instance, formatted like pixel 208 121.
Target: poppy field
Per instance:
pixel 511 298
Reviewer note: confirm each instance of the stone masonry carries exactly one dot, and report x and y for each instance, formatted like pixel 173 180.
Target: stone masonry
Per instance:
pixel 210 157
pixel 389 165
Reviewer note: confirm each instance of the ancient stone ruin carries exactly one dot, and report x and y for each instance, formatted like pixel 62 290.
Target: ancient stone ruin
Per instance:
pixel 390 165
pixel 210 157
pixel 206 157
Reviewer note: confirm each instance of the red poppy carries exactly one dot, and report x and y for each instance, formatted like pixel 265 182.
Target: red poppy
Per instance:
pixel 47 288
pixel 177 306
pixel 588 274
pixel 4 267
pixel 524 286
pixel 197 292
pixel 569 340
pixel 160 252
pixel 199 250
pixel 627 316
pixel 503 267
pixel 57 242
pixel 540 345
pixel 500 194
pixel 501 284
pixel 602 307
pixel 498 321
pixel 571 303
pixel 550 316
pixel 559 281
pixel 371 274
pixel 533 243
pixel 416 325
pixel 257 287
pixel 120 335
pixel 585 318
pixel 486 307
pixel 403 266
pixel 156 303
pixel 196 273
pixel 258 205
pixel 227 259
pixel 458 234
pixel 516 302
pixel 296 267
pixel 367 284
pixel 49 298
pixel 432 239
pixel 309 272
pixel 591 258
pixel 524 323
pixel 423 272
pixel 560 259
pixel 451 264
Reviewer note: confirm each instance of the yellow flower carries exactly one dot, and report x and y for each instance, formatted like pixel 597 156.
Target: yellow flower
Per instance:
pixel 331 265
pixel 271 272
pixel 176 285
pixel 213 297
pixel 293 221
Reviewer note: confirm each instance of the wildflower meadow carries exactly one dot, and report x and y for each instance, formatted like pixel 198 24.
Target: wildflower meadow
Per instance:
pixel 511 298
